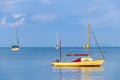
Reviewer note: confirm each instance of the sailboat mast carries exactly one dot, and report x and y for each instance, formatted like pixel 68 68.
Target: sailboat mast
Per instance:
pixel 60 51
pixel 15 36
pixel 89 40
pixel 57 38
pixel 16 33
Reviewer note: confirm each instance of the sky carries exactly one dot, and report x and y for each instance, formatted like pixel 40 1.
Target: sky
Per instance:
pixel 38 21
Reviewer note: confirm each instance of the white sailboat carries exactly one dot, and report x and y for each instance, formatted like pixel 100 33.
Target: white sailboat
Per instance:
pixel 57 44
pixel 16 46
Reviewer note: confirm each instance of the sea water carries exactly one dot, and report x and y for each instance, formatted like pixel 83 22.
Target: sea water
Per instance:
pixel 34 63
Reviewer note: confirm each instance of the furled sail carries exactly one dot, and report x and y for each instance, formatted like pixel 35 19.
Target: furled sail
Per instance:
pixel 69 54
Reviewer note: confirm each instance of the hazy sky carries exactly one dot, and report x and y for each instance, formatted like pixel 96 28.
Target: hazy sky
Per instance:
pixel 38 21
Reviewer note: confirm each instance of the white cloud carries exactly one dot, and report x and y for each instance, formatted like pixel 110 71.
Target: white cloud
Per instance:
pixel 101 13
pixel 9 5
pixel 18 15
pixel 3 21
pixel 17 5
pixel 44 18
pixel 6 22
pixel 12 24
pixel 17 23
pixel 47 1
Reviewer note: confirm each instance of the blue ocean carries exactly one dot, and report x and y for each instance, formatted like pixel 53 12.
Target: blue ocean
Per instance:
pixel 34 63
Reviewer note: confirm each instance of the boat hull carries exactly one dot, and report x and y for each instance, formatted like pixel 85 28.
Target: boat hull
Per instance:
pixel 15 48
pixel 93 63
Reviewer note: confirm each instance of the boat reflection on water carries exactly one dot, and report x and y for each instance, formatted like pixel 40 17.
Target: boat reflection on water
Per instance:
pixel 80 73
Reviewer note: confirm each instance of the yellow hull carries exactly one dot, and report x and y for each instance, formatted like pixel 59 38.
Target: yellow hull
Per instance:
pixel 93 63
pixel 15 49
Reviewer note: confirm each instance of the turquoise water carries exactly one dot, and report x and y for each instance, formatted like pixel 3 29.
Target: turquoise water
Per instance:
pixel 35 64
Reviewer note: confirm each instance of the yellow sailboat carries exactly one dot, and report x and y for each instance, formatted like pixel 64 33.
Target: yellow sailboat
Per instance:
pixel 80 62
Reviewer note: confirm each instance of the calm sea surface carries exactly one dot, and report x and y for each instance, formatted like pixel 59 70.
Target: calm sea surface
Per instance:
pixel 35 64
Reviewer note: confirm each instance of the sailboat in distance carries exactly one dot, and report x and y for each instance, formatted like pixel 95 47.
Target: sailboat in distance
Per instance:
pixel 57 44
pixel 16 46
pixel 84 61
